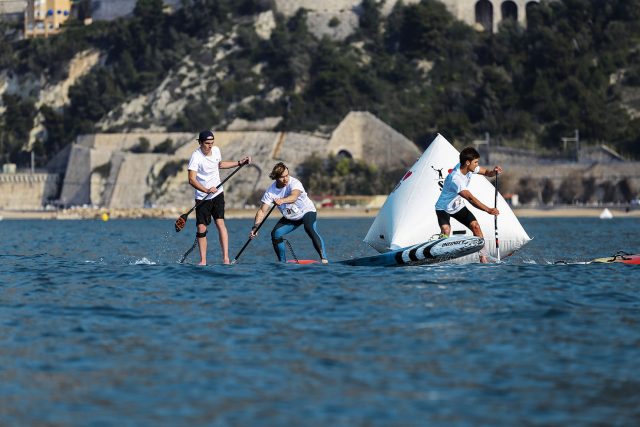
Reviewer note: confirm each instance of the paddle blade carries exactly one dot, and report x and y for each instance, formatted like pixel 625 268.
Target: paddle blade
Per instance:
pixel 180 222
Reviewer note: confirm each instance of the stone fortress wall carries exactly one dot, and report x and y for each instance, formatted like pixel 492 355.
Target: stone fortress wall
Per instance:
pixel 26 191
pixel 102 171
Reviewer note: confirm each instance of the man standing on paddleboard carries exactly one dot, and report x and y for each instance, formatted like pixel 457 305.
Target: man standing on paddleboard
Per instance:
pixel 454 191
pixel 297 209
pixel 204 176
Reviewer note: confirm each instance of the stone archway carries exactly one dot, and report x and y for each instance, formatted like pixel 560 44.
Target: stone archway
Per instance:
pixel 484 14
pixel 509 10
pixel 345 154
pixel 530 10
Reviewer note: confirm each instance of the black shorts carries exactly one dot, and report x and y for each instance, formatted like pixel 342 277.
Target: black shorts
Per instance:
pixel 210 208
pixel 464 217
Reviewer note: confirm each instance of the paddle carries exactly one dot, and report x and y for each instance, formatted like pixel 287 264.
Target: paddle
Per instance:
pixel 182 220
pixel 257 228
pixel 186 254
pixel 496 219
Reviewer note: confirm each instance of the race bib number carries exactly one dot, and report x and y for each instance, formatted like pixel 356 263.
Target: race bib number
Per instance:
pixel 292 209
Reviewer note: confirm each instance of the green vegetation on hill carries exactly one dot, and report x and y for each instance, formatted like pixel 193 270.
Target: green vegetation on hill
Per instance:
pixel 342 176
pixel 418 69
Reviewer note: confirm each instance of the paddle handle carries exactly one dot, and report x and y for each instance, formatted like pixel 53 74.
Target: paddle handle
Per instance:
pixel 257 228
pixel 495 219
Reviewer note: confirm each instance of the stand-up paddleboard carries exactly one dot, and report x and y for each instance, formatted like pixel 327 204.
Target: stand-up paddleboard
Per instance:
pixel 424 253
pixel 622 257
pixel 619 257
pixel 408 216
pixel 303 261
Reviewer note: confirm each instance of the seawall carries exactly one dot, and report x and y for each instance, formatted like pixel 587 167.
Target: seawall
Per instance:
pixel 26 190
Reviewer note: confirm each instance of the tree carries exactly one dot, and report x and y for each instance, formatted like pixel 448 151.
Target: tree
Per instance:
pixel 548 191
pixel 370 19
pixel 57 134
pixel 143 146
pixel 150 13
pixel 16 125
pixel 419 30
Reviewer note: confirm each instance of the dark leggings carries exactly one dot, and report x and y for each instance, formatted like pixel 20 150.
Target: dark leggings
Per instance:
pixel 286 226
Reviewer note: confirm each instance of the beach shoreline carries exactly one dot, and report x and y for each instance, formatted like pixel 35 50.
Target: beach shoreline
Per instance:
pixel 353 212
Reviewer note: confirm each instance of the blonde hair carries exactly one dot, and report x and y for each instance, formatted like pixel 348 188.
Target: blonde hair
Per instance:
pixel 278 170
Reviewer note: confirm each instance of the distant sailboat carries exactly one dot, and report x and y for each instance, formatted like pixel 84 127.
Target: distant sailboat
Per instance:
pixel 408 216
pixel 606 214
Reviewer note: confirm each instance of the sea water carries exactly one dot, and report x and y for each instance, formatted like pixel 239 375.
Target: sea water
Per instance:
pixel 100 326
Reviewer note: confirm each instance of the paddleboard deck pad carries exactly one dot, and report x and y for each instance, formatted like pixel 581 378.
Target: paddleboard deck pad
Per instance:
pixel 430 252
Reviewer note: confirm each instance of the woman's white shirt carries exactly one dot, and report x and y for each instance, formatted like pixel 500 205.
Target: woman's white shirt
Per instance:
pixel 295 210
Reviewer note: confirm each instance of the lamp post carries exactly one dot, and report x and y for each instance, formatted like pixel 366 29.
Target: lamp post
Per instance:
pixel 576 140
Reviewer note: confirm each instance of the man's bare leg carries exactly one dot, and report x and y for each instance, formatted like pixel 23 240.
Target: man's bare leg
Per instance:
pixel 224 240
pixel 477 231
pixel 202 244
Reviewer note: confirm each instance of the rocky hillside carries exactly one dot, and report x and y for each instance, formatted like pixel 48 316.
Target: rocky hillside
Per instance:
pixel 266 65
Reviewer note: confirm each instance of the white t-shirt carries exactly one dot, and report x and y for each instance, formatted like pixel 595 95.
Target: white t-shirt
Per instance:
pixel 294 210
pixel 207 170
pixel 450 199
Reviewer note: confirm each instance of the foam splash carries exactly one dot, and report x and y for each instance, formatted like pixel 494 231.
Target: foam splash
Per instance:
pixel 143 261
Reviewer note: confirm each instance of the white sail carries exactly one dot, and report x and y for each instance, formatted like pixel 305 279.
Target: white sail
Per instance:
pixel 408 216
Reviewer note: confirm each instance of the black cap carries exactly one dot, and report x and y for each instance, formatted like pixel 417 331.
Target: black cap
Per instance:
pixel 204 135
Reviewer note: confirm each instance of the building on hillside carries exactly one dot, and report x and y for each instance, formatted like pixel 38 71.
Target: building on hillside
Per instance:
pixel 482 14
pixel 43 18
pixel 12 10
pixel 488 14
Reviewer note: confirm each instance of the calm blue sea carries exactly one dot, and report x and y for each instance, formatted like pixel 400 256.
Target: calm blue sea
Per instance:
pixel 100 326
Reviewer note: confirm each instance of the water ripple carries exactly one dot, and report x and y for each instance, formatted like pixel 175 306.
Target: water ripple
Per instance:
pixel 98 327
